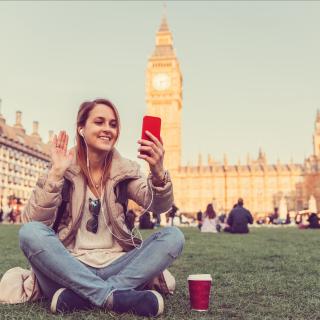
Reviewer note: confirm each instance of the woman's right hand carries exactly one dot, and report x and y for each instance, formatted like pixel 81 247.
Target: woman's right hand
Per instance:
pixel 60 156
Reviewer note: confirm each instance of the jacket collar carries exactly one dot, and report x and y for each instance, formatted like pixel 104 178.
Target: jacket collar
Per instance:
pixel 122 168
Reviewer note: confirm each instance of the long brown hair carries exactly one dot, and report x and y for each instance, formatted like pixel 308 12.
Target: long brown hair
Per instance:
pixel 83 114
pixel 210 213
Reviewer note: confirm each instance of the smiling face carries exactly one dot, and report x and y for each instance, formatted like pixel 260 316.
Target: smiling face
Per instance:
pixel 101 129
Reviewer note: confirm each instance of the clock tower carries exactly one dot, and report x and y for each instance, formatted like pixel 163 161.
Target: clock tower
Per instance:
pixel 164 94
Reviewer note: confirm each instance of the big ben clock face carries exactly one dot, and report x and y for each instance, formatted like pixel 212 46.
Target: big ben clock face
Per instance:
pixel 161 81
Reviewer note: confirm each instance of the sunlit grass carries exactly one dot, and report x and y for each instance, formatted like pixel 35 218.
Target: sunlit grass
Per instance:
pixel 271 273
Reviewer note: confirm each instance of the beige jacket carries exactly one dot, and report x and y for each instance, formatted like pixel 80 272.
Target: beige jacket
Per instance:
pixel 19 285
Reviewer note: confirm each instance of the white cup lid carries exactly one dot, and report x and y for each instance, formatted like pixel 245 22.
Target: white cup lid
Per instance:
pixel 205 277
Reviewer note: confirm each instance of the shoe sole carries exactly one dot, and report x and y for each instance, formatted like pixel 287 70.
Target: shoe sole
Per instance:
pixel 160 302
pixel 54 300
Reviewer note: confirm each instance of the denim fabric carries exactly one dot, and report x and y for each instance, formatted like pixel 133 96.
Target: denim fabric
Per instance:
pixel 55 267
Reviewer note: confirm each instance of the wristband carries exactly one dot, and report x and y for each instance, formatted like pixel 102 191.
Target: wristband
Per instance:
pixel 164 180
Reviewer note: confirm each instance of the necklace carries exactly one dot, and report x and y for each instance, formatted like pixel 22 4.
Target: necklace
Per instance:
pixel 97 185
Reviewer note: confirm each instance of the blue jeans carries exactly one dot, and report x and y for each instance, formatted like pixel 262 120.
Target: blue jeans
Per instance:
pixel 55 267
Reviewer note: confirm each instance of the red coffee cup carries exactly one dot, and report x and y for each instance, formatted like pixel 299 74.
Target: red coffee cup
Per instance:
pixel 199 291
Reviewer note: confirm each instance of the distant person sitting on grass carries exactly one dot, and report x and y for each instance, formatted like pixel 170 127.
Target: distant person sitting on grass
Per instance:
pixel 288 219
pixel 273 217
pixel 238 219
pixel 314 221
pixel 302 220
pixel 88 258
pixel 210 221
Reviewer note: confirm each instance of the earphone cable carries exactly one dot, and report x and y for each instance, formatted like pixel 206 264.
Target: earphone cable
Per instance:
pixel 132 236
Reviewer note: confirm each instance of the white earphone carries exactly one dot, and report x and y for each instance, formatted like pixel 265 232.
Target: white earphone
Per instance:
pixel 81 132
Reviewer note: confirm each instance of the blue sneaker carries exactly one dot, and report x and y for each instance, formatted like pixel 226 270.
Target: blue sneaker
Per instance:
pixel 65 300
pixel 143 303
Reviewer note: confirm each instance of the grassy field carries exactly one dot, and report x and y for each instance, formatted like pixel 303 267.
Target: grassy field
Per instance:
pixel 272 273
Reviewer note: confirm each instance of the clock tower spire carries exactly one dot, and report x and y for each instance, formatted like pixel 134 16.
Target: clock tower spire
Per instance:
pixel 164 94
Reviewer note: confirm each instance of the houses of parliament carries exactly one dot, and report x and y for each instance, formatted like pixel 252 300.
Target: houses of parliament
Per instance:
pixel 261 184
pixel 23 157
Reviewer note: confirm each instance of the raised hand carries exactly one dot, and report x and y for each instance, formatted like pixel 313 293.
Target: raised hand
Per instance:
pixel 153 153
pixel 60 156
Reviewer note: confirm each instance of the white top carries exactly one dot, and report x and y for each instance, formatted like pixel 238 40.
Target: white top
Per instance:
pixel 209 225
pixel 95 249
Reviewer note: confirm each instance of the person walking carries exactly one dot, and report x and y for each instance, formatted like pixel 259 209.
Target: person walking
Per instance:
pixel 172 213
pixel 145 221
pixel 199 219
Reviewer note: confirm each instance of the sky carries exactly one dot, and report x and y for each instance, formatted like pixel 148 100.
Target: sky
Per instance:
pixel 251 70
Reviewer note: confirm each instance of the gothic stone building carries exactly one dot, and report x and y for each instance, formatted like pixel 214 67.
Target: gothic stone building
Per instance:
pixel 23 158
pixel 262 185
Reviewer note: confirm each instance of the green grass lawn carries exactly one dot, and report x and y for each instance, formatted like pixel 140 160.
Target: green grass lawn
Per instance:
pixel 272 273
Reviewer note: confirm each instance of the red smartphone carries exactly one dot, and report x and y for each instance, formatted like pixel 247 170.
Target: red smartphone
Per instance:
pixel 151 124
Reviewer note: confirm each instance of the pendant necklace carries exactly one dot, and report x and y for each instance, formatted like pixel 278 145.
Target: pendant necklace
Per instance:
pixel 97 185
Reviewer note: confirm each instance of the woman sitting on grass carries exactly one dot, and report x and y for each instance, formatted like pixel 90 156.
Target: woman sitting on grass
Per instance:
pixel 94 260
pixel 210 221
